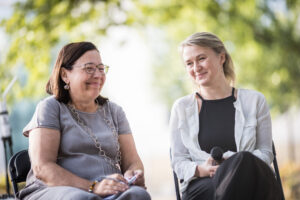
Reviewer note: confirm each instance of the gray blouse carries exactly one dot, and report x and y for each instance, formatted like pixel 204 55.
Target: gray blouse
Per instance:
pixel 77 152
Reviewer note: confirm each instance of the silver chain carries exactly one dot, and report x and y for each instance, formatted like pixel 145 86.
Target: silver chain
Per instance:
pixel 117 160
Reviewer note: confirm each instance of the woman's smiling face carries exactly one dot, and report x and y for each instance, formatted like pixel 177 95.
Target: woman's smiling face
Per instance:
pixel 203 64
pixel 85 86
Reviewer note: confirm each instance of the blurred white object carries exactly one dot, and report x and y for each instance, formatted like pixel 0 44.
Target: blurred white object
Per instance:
pixel 4 120
pixel 5 131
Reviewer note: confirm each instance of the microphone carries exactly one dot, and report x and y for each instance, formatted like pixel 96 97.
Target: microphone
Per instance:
pixel 217 154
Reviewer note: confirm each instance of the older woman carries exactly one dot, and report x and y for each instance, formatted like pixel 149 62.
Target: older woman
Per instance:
pixel 80 143
pixel 235 120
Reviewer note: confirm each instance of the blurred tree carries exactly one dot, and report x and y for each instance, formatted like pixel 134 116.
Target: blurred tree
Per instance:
pixel 37 27
pixel 263 37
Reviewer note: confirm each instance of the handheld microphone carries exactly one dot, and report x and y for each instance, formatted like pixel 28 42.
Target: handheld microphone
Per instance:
pixel 217 154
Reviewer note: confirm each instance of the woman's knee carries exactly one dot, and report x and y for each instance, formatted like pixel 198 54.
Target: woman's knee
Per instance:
pixel 200 188
pixel 135 193
pixel 65 193
pixel 245 156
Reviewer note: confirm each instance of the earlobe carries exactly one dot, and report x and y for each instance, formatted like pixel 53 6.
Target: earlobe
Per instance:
pixel 63 75
pixel 223 58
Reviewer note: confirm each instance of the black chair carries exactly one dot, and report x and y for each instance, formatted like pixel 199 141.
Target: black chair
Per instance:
pixel 18 167
pixel 275 165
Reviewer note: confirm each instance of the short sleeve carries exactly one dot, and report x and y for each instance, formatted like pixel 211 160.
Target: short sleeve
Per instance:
pixel 46 115
pixel 120 119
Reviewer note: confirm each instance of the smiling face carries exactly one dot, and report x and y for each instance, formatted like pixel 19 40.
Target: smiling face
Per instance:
pixel 83 86
pixel 203 64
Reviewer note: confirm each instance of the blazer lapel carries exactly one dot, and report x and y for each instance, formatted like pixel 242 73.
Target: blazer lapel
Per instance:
pixel 239 122
pixel 192 120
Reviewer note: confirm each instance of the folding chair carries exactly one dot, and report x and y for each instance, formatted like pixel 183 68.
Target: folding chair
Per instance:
pixel 18 167
pixel 275 165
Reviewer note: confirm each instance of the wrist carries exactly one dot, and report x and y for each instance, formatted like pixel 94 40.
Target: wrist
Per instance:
pixel 200 171
pixel 92 186
pixel 197 172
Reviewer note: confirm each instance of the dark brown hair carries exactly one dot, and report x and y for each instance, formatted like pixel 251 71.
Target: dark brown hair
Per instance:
pixel 66 58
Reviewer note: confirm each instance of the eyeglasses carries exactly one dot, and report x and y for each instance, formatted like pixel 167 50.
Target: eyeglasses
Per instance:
pixel 90 68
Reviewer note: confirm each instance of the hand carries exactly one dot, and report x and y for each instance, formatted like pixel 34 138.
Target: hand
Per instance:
pixel 112 184
pixel 140 179
pixel 206 169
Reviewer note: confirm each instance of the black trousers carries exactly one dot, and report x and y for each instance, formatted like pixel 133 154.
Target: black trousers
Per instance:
pixel 241 177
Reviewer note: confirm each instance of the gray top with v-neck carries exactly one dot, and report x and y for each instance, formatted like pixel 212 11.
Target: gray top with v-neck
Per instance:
pixel 77 152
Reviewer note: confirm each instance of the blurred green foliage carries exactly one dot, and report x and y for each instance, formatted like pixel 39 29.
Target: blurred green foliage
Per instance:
pixel 263 37
pixel 36 27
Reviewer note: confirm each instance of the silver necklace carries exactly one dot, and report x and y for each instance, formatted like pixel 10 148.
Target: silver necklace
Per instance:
pixel 117 160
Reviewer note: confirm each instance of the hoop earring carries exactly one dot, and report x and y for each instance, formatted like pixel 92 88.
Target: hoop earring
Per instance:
pixel 67 87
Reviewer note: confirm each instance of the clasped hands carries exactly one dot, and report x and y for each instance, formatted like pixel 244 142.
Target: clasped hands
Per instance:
pixel 116 183
pixel 207 168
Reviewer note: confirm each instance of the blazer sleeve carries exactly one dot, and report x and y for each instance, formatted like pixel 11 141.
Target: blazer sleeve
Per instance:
pixel 181 159
pixel 263 148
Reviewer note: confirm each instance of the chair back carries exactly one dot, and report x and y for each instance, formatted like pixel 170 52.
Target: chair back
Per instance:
pixel 275 165
pixel 178 197
pixel 18 167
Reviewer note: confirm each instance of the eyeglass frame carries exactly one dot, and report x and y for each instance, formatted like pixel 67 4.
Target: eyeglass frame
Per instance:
pixel 95 67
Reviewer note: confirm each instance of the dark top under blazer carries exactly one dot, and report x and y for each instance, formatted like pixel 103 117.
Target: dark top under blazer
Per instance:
pixel 217 119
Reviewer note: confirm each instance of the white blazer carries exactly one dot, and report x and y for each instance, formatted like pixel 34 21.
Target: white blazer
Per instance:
pixel 252 132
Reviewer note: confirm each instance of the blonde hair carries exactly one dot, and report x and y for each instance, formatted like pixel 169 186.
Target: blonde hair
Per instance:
pixel 206 39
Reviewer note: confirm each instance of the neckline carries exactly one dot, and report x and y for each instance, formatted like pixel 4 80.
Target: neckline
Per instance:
pixel 69 106
pixel 218 100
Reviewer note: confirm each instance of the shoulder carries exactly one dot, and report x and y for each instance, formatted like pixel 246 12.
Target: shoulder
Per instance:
pixel 49 102
pixel 115 110
pixel 184 101
pixel 113 106
pixel 250 99
pixel 118 116
pixel 247 94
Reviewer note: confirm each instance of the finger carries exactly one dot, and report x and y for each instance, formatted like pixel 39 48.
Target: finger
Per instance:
pixel 210 159
pixel 119 188
pixel 111 180
pixel 140 181
pixel 139 178
pixel 115 186
pixel 112 188
pixel 116 178
pixel 129 174
pixel 213 167
pixel 116 182
pixel 109 192
pixel 119 177
pixel 105 189
pixel 138 172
